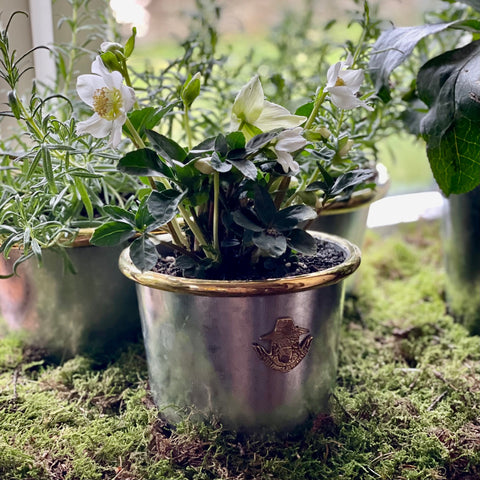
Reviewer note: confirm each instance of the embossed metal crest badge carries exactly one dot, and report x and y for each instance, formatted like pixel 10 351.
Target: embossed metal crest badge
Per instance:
pixel 286 349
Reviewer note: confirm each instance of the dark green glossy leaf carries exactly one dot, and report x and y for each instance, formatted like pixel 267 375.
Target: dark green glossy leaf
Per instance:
pixel 302 242
pixel 260 141
pixel 164 205
pixel 247 220
pixel 448 84
pixel 235 140
pixel 218 165
pixel 264 206
pixel 143 253
pixel 144 162
pixel 112 233
pixel 143 217
pixel 147 118
pixel 246 168
pixel 166 147
pixel 392 48
pixel 119 213
pixel 272 245
pixel 292 216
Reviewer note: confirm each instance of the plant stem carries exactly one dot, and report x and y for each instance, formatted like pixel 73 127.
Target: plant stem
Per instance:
pixel 216 196
pixel 281 192
pixel 319 98
pixel 177 235
pixel 197 232
pixel 188 130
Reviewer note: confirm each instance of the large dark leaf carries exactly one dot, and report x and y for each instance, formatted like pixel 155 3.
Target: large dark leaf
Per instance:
pixel 302 242
pixel 166 147
pixel 448 84
pixel 264 206
pixel 164 205
pixel 143 254
pixel 272 245
pixel 112 233
pixel 392 48
pixel 147 118
pixel 247 220
pixel 292 216
pixel 144 162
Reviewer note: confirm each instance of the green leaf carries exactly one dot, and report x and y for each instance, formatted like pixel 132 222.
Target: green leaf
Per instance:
pixel 448 84
pixel 144 162
pixel 272 245
pixel 130 43
pixel 218 165
pixel 264 206
pixel 260 141
pixel 235 140
pixel 245 167
pixel 143 253
pixel 166 147
pixel 392 48
pixel 84 196
pixel 292 216
pixel 164 205
pixel 48 170
pixel 247 220
pixel 302 242
pixel 305 110
pixel 143 217
pixel 112 233
pixel 119 213
pixel 455 160
pixel 147 118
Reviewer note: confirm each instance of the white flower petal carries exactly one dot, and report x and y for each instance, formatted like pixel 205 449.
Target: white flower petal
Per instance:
pixel 99 68
pixel 287 162
pixel 332 75
pixel 342 97
pixel 87 85
pixel 353 79
pixel 116 135
pixel 290 140
pixel 128 96
pixel 96 126
pixel 249 101
pixel 275 116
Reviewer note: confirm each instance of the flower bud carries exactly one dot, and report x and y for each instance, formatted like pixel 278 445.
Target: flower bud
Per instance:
pixel 14 105
pixel 346 145
pixel 204 166
pixel 191 90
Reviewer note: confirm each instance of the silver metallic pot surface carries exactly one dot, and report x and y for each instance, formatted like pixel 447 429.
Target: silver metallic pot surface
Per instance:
pixel 462 258
pixel 254 354
pixel 93 312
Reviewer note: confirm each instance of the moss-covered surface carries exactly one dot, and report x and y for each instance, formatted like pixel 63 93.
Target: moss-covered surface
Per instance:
pixel 406 405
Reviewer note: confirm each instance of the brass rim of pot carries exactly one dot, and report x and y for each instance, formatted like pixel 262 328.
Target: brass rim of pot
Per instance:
pixel 361 198
pixel 237 288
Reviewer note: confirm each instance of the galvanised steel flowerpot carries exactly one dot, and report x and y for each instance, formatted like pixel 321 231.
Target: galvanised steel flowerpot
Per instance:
pixel 92 312
pixel 254 354
pixel 462 258
pixel 348 219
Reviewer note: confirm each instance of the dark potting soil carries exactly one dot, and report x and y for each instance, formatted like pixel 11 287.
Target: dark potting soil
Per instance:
pixel 328 255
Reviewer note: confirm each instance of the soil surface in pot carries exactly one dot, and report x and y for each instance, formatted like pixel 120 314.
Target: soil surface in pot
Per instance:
pixel 328 255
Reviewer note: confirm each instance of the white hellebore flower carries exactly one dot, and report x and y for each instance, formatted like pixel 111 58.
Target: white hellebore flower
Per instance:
pixel 343 83
pixel 110 99
pixel 289 141
pixel 251 108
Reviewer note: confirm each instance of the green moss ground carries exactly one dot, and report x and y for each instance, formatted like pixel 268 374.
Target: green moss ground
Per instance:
pixel 406 405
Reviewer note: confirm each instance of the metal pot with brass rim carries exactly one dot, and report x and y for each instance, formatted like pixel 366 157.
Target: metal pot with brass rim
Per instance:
pixel 255 354
pixel 348 218
pixel 93 311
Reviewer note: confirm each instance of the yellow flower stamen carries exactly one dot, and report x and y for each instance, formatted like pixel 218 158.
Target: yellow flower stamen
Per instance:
pixel 339 82
pixel 107 102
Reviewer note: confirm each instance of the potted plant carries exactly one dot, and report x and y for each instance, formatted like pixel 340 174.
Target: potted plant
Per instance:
pixel 54 190
pixel 237 320
pixel 303 51
pixel 444 108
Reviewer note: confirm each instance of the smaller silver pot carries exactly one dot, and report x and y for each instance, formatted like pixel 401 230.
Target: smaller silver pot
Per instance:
pixel 254 354
pixel 92 312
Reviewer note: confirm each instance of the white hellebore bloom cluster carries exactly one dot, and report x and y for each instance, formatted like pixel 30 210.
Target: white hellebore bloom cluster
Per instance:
pixel 343 84
pixel 110 99
pixel 251 109
pixel 289 141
